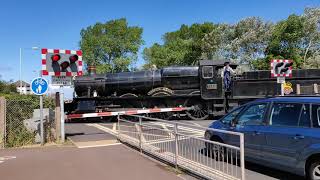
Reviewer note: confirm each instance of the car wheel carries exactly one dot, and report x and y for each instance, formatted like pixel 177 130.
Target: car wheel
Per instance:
pixel 314 170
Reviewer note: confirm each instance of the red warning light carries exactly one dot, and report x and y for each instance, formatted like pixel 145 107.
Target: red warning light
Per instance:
pixel 55 57
pixel 64 65
pixel 73 58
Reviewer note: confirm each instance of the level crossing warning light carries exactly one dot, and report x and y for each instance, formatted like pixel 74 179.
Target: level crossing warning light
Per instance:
pixel 58 62
pixel 281 68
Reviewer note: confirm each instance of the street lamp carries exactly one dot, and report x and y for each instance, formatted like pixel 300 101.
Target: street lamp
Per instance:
pixel 33 48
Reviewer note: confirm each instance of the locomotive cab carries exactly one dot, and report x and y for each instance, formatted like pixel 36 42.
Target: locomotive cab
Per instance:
pixel 211 85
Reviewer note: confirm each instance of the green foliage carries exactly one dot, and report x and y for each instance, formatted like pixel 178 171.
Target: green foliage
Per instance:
pixel 182 47
pixel 250 41
pixel 264 63
pixel 311 39
pixel 111 46
pixel 7 87
pixel 286 39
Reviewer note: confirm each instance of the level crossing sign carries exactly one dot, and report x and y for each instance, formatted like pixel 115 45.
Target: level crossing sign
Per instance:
pixel 39 86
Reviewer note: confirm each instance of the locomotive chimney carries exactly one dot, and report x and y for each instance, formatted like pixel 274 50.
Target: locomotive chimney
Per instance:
pixel 92 70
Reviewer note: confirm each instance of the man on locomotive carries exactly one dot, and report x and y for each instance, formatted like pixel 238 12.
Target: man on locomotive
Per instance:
pixel 226 73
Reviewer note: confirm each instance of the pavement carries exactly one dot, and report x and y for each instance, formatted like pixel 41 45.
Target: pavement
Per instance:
pixel 109 162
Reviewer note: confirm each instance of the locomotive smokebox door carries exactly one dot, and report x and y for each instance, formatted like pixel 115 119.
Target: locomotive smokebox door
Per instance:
pixel 210 81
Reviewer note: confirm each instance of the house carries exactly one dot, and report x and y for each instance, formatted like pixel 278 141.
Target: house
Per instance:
pixel 24 89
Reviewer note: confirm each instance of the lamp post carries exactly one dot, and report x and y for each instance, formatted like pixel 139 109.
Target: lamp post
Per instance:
pixel 20 64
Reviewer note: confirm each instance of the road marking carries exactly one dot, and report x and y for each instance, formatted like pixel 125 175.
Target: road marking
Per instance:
pixel 7 158
pixel 186 129
pixel 195 124
pixel 103 128
pixel 98 145
pixel 4 158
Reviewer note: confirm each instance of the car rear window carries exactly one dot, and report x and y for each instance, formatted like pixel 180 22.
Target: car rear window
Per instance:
pixel 285 114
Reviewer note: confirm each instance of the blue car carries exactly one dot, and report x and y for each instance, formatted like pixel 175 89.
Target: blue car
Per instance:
pixel 282 133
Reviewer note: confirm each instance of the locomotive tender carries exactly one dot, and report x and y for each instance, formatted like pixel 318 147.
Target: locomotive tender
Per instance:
pixel 198 86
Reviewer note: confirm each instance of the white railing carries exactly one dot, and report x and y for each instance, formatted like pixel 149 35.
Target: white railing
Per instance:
pixel 184 146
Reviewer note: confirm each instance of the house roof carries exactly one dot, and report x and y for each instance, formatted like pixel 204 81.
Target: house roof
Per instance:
pixel 17 83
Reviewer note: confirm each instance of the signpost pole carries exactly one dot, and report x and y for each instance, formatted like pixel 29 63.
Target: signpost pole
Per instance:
pixel 41 120
pixel 281 81
pixel 62 114
pixel 39 86
pixel 282 88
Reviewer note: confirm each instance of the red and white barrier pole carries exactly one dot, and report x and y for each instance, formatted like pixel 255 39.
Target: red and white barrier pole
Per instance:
pixel 129 112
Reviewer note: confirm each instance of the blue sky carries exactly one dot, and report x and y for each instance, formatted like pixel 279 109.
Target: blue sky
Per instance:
pixel 57 24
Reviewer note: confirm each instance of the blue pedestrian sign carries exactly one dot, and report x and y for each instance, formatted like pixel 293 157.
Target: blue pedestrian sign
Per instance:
pixel 39 86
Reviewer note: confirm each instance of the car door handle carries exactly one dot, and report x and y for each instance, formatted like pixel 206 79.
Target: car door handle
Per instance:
pixel 298 137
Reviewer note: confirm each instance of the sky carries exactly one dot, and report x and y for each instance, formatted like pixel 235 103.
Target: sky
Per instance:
pixel 57 24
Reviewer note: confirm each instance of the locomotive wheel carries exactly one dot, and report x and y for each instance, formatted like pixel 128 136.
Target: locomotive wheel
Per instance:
pixel 200 111
pixel 163 115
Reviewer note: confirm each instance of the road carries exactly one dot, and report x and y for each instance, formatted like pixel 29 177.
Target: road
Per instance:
pixel 101 134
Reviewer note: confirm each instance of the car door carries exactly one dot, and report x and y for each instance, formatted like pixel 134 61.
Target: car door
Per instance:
pixel 286 133
pixel 249 122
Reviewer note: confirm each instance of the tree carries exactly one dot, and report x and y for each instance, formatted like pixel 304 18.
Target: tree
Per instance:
pixel 216 44
pixel 111 46
pixel 286 39
pixel 181 47
pixel 250 39
pixel 242 42
pixel 311 39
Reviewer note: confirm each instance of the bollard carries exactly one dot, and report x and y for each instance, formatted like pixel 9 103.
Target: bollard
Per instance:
pixel 242 164
pixel 298 89
pixel 140 134
pixel 315 88
pixel 176 144
pixel 2 122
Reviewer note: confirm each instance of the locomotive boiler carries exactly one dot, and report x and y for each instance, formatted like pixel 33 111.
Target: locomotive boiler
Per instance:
pixel 200 87
pixel 138 83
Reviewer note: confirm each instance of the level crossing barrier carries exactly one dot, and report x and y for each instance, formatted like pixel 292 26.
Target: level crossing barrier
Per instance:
pixel 184 146
pixel 127 112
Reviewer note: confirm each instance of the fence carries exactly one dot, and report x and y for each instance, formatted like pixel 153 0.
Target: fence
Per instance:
pixel 307 89
pixel 20 122
pixel 183 145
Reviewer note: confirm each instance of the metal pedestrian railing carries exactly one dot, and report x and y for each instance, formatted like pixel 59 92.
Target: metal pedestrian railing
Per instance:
pixel 184 146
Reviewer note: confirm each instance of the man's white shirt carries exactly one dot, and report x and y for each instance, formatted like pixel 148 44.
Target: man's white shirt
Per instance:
pixel 228 69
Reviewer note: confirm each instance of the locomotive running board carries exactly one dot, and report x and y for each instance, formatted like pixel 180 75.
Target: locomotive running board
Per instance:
pixel 129 112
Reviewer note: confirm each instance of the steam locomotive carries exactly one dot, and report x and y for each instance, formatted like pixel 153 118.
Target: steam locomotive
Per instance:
pixel 200 87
